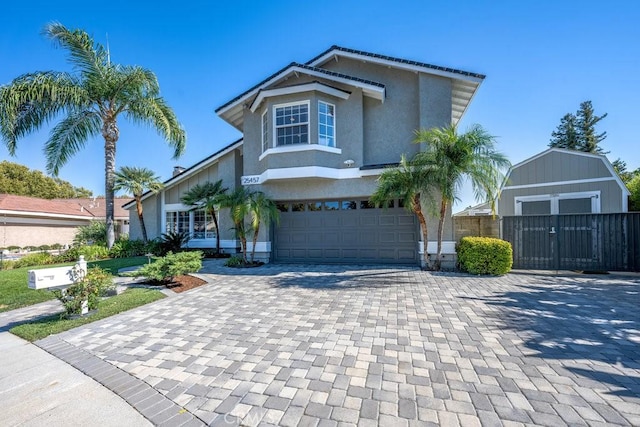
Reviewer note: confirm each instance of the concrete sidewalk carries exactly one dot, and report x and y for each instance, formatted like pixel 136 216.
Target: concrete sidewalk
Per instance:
pixel 37 388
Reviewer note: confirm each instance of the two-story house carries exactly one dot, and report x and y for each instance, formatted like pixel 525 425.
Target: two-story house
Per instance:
pixel 316 136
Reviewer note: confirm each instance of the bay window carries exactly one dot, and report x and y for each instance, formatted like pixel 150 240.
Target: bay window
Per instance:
pixel 326 124
pixel 292 124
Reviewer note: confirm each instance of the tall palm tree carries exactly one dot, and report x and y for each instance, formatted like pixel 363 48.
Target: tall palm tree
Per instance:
pixel 237 202
pixel 261 208
pixel 451 158
pixel 411 184
pixel 207 196
pixel 136 181
pixel 90 101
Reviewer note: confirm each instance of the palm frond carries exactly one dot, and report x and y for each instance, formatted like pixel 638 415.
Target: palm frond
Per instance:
pixel 69 136
pixel 33 99
pixel 154 112
pixel 137 180
pixel 86 56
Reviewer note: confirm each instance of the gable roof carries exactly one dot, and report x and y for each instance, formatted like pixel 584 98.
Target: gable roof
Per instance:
pixel 195 168
pixel 68 208
pixel 465 83
pixel 232 110
pixel 98 208
pixel 548 151
pixel 343 51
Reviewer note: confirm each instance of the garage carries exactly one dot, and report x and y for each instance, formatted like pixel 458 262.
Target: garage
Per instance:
pixel 345 231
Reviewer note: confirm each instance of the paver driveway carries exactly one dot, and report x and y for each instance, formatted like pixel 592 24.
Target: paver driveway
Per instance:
pixel 328 345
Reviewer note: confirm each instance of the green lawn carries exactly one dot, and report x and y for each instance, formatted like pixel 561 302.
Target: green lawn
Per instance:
pixel 14 292
pixel 49 325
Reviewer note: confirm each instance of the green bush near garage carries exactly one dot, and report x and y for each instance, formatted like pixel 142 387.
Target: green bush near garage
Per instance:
pixel 485 255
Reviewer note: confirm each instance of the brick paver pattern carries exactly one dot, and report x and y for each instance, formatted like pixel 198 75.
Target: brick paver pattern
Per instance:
pixel 327 345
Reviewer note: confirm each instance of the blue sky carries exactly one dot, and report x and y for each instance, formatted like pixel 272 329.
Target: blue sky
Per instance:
pixel 541 58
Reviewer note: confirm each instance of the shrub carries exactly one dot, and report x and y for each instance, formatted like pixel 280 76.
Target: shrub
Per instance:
pixel 91 253
pixel 166 268
pixel 86 287
pixel 7 265
pixel 93 234
pixel 173 241
pixel 38 258
pixel 125 248
pixel 234 261
pixel 484 255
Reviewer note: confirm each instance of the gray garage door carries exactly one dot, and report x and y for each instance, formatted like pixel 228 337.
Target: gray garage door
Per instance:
pixel 345 231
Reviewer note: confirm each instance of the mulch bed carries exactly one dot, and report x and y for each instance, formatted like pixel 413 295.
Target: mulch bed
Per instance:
pixel 184 283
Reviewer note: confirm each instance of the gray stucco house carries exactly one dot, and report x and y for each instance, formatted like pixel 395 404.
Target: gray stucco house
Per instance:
pixel 559 181
pixel 316 136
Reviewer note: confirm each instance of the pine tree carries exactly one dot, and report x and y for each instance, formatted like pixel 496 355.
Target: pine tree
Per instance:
pixel 587 121
pixel 566 134
pixel 578 131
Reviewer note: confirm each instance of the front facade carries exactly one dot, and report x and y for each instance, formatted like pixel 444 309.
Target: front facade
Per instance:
pixel 559 181
pixel 316 137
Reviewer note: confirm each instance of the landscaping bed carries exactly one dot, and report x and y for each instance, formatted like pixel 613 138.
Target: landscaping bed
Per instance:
pixel 184 283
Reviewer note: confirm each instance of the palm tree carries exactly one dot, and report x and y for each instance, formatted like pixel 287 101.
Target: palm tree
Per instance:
pixel 451 158
pixel 236 201
pixel 207 196
pixel 261 208
pixel 409 183
pixel 91 101
pixel 136 181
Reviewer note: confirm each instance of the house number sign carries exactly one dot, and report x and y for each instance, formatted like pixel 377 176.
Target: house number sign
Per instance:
pixel 250 179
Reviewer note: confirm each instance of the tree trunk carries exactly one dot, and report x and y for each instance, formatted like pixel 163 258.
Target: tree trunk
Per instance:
pixel 215 224
pixel 443 212
pixel 243 247
pixel 255 242
pixel 110 133
pixel 417 208
pixel 141 218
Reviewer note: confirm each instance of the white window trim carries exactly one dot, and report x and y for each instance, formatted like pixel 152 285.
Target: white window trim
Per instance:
pixel 299 147
pixel 192 223
pixel 335 140
pixel 265 116
pixel 274 128
pixel 555 199
pixel 179 207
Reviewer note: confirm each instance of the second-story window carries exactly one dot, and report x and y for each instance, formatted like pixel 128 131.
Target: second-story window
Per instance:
pixel 326 124
pixel 292 124
pixel 265 131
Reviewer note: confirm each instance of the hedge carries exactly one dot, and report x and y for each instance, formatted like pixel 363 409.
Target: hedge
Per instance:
pixel 485 255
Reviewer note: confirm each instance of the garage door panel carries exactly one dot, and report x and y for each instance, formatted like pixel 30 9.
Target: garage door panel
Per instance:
pixel 332 219
pixel 387 220
pixel 406 220
pixel 407 237
pixel 297 238
pixel 332 254
pixel 388 237
pixel 347 236
pixel 298 220
pixel 368 221
pixel 332 238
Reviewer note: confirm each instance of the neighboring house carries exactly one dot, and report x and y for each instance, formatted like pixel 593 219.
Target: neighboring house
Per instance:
pixel 482 209
pixel 30 221
pixel 98 208
pixel 316 136
pixel 559 181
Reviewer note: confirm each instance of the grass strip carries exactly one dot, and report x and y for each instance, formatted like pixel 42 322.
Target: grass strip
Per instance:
pixel 14 292
pixel 54 324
